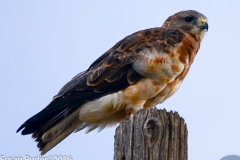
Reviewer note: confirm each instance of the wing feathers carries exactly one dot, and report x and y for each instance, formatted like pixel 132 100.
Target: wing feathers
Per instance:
pixel 133 76
pixel 118 75
pixel 129 41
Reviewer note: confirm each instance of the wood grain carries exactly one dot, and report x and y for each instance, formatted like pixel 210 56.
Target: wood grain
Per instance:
pixel 151 134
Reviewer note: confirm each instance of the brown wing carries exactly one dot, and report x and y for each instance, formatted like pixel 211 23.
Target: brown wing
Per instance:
pixel 116 62
pixel 110 73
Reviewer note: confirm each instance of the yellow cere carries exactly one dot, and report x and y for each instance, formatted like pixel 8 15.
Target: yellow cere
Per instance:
pixel 203 20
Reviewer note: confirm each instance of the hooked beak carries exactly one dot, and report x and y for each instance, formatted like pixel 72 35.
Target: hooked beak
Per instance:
pixel 205 26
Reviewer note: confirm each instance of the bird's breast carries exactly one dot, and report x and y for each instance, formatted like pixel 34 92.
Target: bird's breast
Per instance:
pixel 163 73
pixel 160 66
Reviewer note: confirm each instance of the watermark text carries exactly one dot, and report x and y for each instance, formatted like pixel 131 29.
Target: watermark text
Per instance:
pixel 27 157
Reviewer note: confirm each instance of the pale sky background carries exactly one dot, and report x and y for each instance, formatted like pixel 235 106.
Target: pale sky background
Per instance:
pixel 43 44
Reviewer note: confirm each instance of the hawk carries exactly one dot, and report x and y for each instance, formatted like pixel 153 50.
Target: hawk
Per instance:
pixel 140 71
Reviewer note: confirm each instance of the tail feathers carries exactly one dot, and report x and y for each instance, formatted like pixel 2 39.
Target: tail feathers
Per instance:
pixel 57 138
pixel 59 127
pixel 73 124
pixel 59 132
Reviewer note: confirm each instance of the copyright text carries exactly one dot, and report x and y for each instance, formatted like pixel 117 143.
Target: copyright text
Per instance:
pixel 56 157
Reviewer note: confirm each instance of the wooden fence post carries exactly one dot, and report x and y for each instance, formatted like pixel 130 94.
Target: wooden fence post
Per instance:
pixel 151 134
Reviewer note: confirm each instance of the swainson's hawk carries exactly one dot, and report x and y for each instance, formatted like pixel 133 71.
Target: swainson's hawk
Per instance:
pixel 140 71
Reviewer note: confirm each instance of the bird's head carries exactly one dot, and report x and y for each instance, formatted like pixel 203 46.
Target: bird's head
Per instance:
pixel 189 21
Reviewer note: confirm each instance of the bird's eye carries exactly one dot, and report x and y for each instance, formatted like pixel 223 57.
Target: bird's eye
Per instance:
pixel 188 19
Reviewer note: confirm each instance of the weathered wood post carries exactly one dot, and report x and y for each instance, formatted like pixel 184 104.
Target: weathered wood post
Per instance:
pixel 151 134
